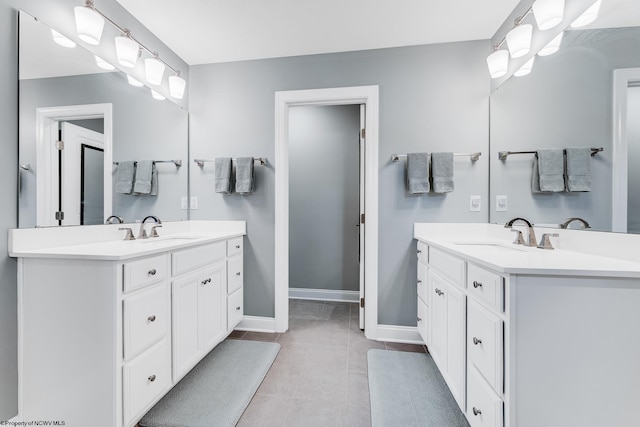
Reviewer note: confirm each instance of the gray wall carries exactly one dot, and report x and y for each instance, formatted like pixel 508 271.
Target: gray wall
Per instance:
pixel 324 197
pixel 58 13
pixel 565 102
pixel 633 139
pixel 432 98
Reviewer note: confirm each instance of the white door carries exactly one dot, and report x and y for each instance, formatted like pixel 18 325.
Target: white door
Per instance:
pixel 362 215
pixel 78 143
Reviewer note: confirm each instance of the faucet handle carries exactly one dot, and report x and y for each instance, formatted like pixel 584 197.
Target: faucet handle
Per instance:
pixel 519 238
pixel 129 235
pixel 545 242
pixel 154 232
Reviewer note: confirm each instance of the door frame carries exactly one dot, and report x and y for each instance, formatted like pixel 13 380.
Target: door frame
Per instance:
pixel 367 95
pixel 47 160
pixel 621 79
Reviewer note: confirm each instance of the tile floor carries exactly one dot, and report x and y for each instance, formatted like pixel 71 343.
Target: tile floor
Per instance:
pixel 319 377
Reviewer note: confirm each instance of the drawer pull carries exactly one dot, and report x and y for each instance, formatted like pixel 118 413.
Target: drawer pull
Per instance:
pixel 477 284
pixel 419 319
pixel 439 292
pixel 477 341
pixel 237 246
pixel 238 273
pixel 476 411
pixel 205 281
pixel 419 281
pixel 152 378
pixel 152 318
pixel 419 251
pixel 152 272
pixel 238 308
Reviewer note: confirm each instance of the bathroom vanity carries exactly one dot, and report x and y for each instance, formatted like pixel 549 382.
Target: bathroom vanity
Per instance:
pixel 108 326
pixel 529 337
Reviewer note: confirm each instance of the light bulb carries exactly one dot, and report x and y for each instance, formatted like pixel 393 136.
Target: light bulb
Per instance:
pixel 62 40
pixel 548 13
pixel 104 64
pixel 519 40
pixel 526 68
pixel 588 16
pixel 498 63
pixel 551 47
pixel 157 96
pixel 133 82
pixel 127 51
pixel 176 86
pixel 89 24
pixel 154 69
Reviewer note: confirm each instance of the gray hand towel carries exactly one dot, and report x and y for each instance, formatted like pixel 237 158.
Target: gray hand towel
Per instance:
pixel 144 172
pixel 578 177
pixel 551 169
pixel 535 177
pixel 418 173
pixel 222 175
pixel 442 172
pixel 244 175
pixel 124 178
pixel 154 180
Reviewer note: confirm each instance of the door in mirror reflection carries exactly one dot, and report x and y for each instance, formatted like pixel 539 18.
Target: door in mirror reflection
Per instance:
pixel 633 150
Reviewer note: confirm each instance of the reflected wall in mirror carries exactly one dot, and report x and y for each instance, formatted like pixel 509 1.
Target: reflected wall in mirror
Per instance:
pixel 567 101
pixel 61 88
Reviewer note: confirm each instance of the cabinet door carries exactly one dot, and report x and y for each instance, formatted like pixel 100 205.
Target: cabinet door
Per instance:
pixel 213 305
pixel 185 320
pixel 456 342
pixel 438 313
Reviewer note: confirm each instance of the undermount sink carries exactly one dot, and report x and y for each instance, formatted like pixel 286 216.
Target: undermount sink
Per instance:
pixel 168 238
pixel 501 246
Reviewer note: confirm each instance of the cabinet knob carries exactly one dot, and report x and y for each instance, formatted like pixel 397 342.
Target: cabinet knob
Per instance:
pixel 237 246
pixel 477 284
pixel 205 281
pixel 152 378
pixel 238 273
pixel 419 281
pixel 238 308
pixel 477 341
pixel 152 318
pixel 476 411
pixel 152 272
pixel 419 319
pixel 419 251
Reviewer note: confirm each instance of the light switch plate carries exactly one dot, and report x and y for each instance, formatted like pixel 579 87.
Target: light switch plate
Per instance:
pixel 194 202
pixel 501 203
pixel 184 203
pixel 475 203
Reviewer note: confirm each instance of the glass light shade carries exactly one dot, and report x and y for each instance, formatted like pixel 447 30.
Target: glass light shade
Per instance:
pixel 104 64
pixel 519 40
pixel 133 82
pixel 127 51
pixel 154 69
pixel 588 16
pixel 498 63
pixel 89 24
pixel 176 86
pixel 62 40
pixel 551 47
pixel 548 13
pixel 526 68
pixel 157 96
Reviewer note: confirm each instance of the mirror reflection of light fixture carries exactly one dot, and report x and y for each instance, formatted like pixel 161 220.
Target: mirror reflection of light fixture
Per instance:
pixel 498 63
pixel 104 64
pixel 548 13
pixel 154 69
pixel 176 86
pixel 157 96
pixel 89 23
pixel 133 82
pixel 62 40
pixel 526 68
pixel 127 50
pixel 519 40
pixel 588 16
pixel 552 47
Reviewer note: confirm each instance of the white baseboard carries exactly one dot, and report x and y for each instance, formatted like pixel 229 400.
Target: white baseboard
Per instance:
pixel 399 334
pixel 257 324
pixel 324 295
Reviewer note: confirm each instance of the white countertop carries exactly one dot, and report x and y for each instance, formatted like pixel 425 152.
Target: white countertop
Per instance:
pixel 105 242
pixel 491 246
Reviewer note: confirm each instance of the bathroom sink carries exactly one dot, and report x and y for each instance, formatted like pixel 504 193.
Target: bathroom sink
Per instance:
pixel 500 246
pixel 174 237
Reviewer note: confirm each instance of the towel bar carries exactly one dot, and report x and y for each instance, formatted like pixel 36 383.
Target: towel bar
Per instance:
pixel 474 156
pixel 201 162
pixel 502 155
pixel 178 163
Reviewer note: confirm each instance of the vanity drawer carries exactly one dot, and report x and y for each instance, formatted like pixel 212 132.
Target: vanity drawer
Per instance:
pixel 192 258
pixel 485 343
pixel 484 406
pixel 448 265
pixel 234 246
pixel 235 309
pixel 486 286
pixel 422 281
pixel 144 272
pixel 423 252
pixel 146 319
pixel 145 379
pixel 234 274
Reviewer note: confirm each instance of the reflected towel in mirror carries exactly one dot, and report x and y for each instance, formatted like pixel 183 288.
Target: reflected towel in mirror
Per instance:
pixel 578 173
pixel 124 177
pixel 550 168
pixel 143 177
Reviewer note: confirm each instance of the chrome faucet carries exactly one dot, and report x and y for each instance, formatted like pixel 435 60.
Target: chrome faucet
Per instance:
pixel 531 240
pixel 143 234
pixel 118 220
pixel 568 221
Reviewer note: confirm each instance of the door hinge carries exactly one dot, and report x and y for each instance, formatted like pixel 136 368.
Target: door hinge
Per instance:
pixel 60 145
pixel 361 302
pixel 361 218
pixel 59 216
pixel 363 133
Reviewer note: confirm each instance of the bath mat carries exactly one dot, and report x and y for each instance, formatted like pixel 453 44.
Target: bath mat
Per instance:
pixel 218 389
pixel 406 389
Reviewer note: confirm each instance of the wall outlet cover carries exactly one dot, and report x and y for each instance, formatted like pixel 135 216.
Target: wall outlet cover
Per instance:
pixel 475 203
pixel 194 202
pixel 501 203
pixel 184 203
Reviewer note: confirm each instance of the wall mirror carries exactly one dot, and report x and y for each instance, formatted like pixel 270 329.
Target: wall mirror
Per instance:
pixel 568 101
pixel 103 121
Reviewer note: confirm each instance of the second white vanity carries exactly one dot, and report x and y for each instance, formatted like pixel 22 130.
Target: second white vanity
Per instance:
pixel 107 327
pixel 526 337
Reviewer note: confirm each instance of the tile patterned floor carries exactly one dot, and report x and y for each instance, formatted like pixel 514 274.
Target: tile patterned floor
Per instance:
pixel 320 375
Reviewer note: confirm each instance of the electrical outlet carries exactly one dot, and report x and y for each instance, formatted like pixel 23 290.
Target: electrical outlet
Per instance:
pixel 501 203
pixel 194 202
pixel 184 203
pixel 475 203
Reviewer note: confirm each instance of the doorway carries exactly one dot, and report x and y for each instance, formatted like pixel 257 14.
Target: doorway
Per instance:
pixel 368 97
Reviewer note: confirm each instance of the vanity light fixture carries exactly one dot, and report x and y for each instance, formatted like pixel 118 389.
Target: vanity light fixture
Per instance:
pixel 104 64
pixel 127 50
pixel 176 86
pixel 526 68
pixel 62 40
pixel 133 82
pixel 552 47
pixel 154 69
pixel 548 13
pixel 498 63
pixel 588 16
pixel 89 23
pixel 157 96
pixel 519 40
